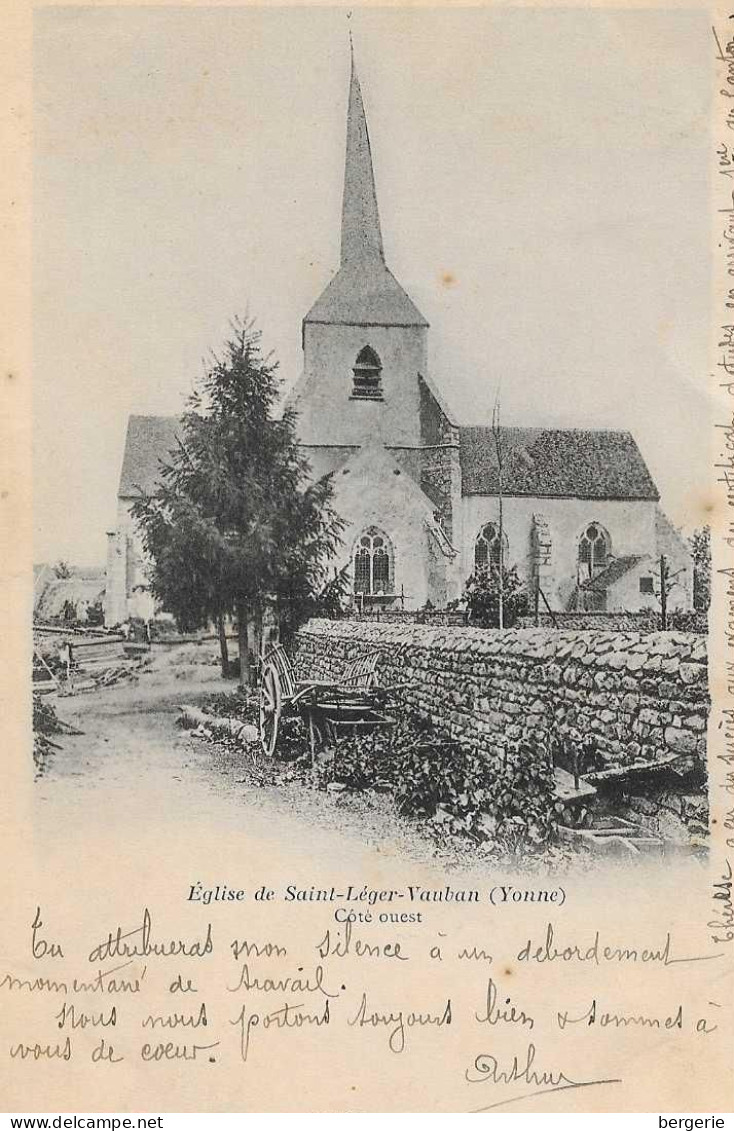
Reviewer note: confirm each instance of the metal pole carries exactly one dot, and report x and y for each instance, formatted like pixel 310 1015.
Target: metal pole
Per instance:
pixel 537 594
pixel 502 562
pixel 498 448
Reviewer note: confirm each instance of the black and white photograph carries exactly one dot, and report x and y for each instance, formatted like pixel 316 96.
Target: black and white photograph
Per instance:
pixel 414 550
pixel 374 456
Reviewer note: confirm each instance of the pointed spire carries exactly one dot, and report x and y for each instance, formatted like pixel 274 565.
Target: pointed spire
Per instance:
pixel 361 235
pixel 363 292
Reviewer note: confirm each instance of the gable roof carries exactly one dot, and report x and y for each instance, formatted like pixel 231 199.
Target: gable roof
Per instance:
pixel 554 462
pixel 375 464
pixel 148 442
pixel 616 569
pixel 79 591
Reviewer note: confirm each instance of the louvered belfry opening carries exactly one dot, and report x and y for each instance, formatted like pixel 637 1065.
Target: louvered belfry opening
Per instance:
pixel 367 375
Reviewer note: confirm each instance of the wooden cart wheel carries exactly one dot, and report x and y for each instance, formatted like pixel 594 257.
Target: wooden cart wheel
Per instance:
pixel 271 705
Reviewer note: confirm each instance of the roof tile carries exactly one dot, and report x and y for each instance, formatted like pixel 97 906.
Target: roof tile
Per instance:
pixel 148 443
pixel 553 462
pixel 365 293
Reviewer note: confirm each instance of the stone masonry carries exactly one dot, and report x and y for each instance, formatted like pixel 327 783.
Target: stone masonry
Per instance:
pixel 642 697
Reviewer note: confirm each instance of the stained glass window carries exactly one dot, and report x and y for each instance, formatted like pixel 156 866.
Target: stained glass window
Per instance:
pixel 594 549
pixel 373 563
pixel 487 547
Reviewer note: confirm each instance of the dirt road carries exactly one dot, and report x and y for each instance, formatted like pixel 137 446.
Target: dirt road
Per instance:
pixel 132 759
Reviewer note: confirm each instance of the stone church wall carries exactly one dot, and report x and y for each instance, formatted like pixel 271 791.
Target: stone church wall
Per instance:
pixel 323 396
pixel 631 525
pixel 640 696
pixel 125 595
pixel 680 564
pixel 441 481
pixel 371 494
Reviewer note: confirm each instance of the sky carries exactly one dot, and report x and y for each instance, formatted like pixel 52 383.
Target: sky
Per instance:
pixel 543 190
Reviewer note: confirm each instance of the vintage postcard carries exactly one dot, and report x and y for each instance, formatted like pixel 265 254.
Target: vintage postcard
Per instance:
pixel 368 560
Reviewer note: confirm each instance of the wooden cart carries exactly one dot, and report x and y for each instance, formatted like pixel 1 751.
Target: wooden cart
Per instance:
pixel 354 703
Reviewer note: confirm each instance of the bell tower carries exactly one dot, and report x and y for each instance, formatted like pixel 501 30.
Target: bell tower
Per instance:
pixel 364 340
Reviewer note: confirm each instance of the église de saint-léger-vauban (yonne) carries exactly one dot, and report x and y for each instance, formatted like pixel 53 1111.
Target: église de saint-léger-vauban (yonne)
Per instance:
pixel 581 515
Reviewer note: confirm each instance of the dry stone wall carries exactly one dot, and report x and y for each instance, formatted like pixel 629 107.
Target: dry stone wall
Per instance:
pixel 647 620
pixel 640 696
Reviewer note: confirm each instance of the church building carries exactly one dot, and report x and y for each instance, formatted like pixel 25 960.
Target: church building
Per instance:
pixel 426 499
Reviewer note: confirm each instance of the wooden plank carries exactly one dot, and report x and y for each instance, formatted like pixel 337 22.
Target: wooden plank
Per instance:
pixel 621 772
pixel 38 656
pixel 362 672
pixel 567 791
pixel 605 846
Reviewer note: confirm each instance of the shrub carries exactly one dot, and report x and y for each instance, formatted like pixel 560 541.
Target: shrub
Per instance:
pixel 688 620
pixel 482 597
pixel 45 723
pixel 467 791
pixel 477 796
pixel 293 739
pixel 700 547
pixel 419 786
pixel 464 790
pixel 362 761
pixel 45 719
pixel 69 612
pixel 240 704
pixel 95 614
pixel 525 799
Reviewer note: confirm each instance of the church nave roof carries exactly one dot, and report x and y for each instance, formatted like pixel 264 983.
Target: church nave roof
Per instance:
pixel 555 462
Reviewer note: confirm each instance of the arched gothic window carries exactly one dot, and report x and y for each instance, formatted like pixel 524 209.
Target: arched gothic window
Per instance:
pixel 367 375
pixel 373 563
pixel 595 548
pixel 487 547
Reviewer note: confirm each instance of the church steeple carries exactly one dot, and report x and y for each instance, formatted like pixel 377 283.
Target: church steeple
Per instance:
pixel 361 234
pixel 363 292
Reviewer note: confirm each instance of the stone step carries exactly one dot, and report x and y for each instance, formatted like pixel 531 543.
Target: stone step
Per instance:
pixel 614 842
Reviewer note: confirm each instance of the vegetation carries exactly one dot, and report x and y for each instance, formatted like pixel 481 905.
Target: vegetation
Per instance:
pixel 241 704
pixel 459 790
pixel 95 614
pixel 69 612
pixel 45 723
pixel 482 596
pixel 304 602
pixel 700 545
pixel 236 526
pixel 476 794
pixel 464 790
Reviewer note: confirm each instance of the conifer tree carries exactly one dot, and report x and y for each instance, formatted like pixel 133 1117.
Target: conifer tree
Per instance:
pixel 236 524
pixel 700 545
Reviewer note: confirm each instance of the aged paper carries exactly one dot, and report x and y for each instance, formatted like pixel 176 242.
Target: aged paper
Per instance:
pixel 183 932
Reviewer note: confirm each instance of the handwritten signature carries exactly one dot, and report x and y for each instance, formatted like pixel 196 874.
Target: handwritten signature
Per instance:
pixel 489 1069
